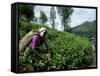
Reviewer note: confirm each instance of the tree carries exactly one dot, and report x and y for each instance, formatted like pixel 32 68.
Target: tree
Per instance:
pixel 43 17
pixel 27 11
pixel 52 17
pixel 65 14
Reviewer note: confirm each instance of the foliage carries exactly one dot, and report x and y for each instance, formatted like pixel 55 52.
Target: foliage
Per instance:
pixel 67 51
pixel 65 13
pixel 27 10
pixel 24 27
pixel 87 29
pixel 43 17
pixel 52 16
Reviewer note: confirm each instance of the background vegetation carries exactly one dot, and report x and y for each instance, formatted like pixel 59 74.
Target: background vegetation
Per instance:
pixel 87 29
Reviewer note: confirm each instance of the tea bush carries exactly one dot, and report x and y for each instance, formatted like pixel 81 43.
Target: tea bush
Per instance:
pixel 67 51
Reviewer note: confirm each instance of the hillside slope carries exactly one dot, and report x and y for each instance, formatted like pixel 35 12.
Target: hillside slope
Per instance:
pixel 85 29
pixel 67 51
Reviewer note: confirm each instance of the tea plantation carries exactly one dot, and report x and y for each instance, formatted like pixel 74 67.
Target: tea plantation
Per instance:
pixel 67 51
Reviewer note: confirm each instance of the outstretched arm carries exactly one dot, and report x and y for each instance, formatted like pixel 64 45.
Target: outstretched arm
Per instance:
pixel 34 50
pixel 46 44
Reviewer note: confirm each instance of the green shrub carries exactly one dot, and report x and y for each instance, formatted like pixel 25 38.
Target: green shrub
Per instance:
pixel 68 51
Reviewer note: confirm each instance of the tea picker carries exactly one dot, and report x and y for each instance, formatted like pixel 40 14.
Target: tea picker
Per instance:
pixel 36 40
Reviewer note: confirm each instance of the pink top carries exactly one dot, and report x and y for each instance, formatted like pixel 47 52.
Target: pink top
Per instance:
pixel 37 40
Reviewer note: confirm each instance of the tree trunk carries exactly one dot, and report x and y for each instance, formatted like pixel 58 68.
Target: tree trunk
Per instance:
pixel 25 40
